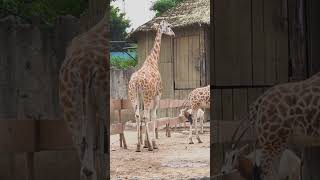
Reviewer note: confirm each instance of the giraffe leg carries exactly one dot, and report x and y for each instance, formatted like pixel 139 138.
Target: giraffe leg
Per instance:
pixel 270 164
pixel 201 123
pixel 194 116
pixel 141 132
pixel 146 120
pixel 153 119
pixel 138 121
pixel 190 133
pixel 145 141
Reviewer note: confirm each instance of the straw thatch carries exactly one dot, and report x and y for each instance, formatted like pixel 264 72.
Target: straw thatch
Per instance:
pixel 186 13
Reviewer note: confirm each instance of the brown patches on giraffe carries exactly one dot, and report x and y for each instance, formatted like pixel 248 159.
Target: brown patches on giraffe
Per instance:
pixel 84 57
pixel 197 98
pixel 147 82
pixel 281 111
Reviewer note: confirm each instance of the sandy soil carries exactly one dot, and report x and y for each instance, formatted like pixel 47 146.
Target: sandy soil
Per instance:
pixel 175 158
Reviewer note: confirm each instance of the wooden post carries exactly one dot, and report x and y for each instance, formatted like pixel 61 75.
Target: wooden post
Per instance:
pixel 157 135
pixel 310 169
pixel 121 134
pixel 168 127
pixel 29 165
pixel 297 40
pixel 98 9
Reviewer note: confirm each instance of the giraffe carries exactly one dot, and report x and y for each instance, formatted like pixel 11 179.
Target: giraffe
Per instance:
pixel 279 113
pixel 83 92
pixel 197 98
pixel 146 82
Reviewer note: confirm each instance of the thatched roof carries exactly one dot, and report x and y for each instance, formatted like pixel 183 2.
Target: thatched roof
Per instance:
pixel 186 13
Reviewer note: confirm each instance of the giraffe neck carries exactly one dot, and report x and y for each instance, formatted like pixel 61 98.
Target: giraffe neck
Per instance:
pixel 97 37
pixel 153 58
pixel 101 28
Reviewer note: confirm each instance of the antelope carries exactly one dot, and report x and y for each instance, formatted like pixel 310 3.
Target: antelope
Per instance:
pixel 249 165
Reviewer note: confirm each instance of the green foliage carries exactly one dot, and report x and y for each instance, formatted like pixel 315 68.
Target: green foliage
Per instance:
pixel 160 6
pixel 118 24
pixel 46 10
pixel 121 64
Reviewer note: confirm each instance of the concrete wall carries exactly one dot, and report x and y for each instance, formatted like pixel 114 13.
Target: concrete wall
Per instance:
pixel 119 80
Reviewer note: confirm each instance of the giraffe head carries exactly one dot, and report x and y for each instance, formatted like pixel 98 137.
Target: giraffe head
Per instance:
pixel 164 27
pixel 231 159
pixel 186 113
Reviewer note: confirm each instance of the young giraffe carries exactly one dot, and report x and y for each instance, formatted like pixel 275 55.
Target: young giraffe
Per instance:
pixel 83 91
pixel 283 110
pixel 147 82
pixel 197 98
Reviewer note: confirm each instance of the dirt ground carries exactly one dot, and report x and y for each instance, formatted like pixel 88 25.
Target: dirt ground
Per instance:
pixel 175 158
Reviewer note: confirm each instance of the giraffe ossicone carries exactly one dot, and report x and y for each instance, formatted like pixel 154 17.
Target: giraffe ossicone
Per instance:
pixel 146 83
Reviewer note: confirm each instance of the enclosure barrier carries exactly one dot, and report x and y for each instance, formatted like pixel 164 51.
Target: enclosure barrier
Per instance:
pixel 169 122
pixel 34 135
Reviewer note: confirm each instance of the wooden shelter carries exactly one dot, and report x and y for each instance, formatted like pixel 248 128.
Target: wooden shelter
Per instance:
pixel 184 59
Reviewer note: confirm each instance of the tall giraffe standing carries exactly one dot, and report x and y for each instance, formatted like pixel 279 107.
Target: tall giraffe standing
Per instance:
pixel 147 83
pixel 83 92
pixel 197 98
pixel 280 112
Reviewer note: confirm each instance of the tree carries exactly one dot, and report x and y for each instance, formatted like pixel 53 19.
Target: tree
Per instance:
pixel 118 24
pixel 160 6
pixel 46 10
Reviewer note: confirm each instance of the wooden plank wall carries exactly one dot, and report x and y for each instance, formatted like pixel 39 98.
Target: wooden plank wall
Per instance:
pixel 250 55
pixel 251 50
pixel 187 59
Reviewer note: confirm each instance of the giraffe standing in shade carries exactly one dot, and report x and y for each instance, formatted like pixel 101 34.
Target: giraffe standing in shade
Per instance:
pixel 147 83
pixel 280 112
pixel 197 98
pixel 83 92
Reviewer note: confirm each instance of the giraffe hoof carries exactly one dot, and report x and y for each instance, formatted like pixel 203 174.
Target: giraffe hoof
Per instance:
pixel 154 145
pixel 191 142
pixel 150 149
pixel 138 148
pixel 86 171
pixel 199 140
pixel 146 144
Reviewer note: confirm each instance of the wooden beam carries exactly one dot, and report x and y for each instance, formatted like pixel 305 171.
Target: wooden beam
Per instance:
pixel 117 128
pixel 17 135
pixel 226 129
pixel 54 135
pixel 117 104
pixel 29 165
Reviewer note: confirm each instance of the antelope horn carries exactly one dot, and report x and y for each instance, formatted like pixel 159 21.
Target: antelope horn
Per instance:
pixel 241 135
pixel 236 131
